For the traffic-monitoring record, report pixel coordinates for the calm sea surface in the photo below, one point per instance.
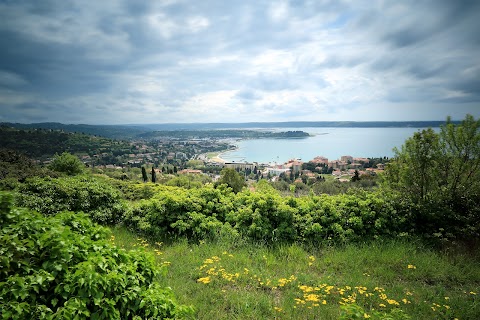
(328, 142)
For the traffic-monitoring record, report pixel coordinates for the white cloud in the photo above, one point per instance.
(278, 11)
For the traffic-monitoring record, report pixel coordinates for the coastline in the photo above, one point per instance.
(218, 158)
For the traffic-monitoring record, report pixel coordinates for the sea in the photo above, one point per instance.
(331, 143)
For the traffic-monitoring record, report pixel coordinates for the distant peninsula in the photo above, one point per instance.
(223, 134)
(133, 131)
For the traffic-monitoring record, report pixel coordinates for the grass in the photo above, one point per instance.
(240, 280)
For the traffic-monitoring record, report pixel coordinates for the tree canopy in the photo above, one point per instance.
(232, 178)
(439, 173)
(67, 163)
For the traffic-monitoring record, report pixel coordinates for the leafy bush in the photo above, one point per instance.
(263, 216)
(67, 163)
(80, 193)
(266, 216)
(196, 213)
(63, 267)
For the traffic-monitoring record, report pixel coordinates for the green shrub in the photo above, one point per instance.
(64, 267)
(173, 211)
(67, 163)
(263, 215)
(80, 193)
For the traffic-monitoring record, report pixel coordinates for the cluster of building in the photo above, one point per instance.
(346, 165)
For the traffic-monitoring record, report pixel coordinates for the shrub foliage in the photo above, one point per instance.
(64, 267)
(264, 215)
(99, 200)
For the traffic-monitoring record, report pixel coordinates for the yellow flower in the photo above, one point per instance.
(411, 266)
(311, 297)
(447, 298)
(473, 293)
(324, 302)
(366, 316)
(277, 309)
(204, 280)
(392, 301)
(382, 305)
(361, 290)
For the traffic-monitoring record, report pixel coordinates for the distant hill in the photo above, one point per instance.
(295, 124)
(107, 131)
(137, 130)
(44, 143)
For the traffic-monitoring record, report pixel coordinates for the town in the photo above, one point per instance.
(179, 154)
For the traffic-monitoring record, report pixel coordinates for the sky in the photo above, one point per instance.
(188, 61)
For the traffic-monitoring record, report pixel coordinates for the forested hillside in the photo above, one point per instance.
(43, 143)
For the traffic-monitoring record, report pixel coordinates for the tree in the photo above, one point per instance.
(460, 158)
(17, 166)
(154, 175)
(232, 178)
(414, 170)
(144, 174)
(67, 163)
(356, 176)
(440, 174)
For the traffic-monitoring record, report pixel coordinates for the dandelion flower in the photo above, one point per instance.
(411, 266)
(204, 280)
(392, 301)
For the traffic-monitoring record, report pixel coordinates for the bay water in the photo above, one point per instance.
(331, 143)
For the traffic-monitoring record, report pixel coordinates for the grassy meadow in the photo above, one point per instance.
(226, 279)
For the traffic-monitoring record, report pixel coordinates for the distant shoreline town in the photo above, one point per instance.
(172, 155)
(340, 168)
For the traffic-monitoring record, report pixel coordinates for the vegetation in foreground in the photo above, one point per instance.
(65, 267)
(237, 252)
(397, 279)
